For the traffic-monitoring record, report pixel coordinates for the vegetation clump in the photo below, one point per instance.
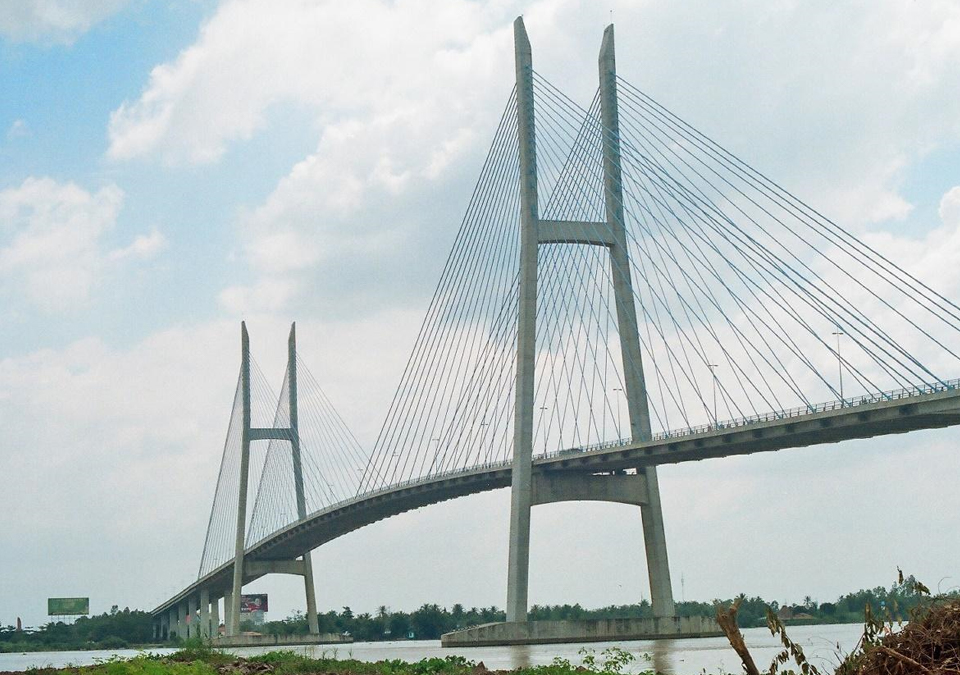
(197, 659)
(927, 643)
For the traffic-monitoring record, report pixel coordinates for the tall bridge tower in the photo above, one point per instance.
(290, 434)
(610, 234)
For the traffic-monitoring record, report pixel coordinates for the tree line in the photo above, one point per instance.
(111, 630)
(121, 628)
(430, 621)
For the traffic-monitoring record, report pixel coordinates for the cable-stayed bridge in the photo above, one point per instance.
(622, 293)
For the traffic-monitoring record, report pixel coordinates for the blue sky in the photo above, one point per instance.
(169, 168)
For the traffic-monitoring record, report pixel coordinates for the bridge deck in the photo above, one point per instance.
(893, 413)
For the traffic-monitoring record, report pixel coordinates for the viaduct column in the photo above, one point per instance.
(308, 582)
(214, 616)
(205, 613)
(521, 488)
(233, 627)
(227, 610)
(193, 626)
(173, 626)
(654, 539)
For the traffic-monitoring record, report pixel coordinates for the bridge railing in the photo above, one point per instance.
(908, 392)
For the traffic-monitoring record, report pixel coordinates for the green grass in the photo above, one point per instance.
(199, 659)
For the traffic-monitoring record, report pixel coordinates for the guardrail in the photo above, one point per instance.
(908, 392)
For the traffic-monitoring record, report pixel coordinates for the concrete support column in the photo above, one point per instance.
(214, 616)
(165, 626)
(518, 569)
(654, 539)
(233, 628)
(313, 624)
(173, 628)
(227, 611)
(183, 611)
(193, 624)
(204, 631)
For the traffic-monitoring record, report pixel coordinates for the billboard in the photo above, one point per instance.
(253, 603)
(68, 606)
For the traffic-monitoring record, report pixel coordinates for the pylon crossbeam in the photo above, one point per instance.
(574, 232)
(271, 434)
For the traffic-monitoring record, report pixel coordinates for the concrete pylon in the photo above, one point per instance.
(518, 569)
(525, 489)
(233, 627)
(291, 434)
(308, 583)
(654, 539)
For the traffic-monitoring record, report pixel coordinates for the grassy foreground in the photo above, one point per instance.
(196, 660)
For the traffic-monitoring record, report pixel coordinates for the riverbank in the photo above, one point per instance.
(206, 661)
(671, 657)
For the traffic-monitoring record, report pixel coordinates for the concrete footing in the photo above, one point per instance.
(602, 630)
(279, 640)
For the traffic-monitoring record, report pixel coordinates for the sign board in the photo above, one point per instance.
(68, 606)
(253, 603)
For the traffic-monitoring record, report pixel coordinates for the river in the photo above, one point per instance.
(821, 644)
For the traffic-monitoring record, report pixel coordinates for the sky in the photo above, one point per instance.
(170, 168)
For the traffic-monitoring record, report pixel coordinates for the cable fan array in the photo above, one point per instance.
(748, 300)
(331, 461)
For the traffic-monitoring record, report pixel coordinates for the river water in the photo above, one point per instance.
(823, 646)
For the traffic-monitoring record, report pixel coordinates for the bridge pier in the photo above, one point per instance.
(192, 623)
(214, 616)
(227, 611)
(204, 613)
(183, 613)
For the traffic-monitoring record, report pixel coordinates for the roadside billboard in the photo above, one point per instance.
(253, 603)
(68, 606)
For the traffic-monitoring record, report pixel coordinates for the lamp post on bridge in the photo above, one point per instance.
(713, 372)
(838, 333)
(546, 430)
(620, 389)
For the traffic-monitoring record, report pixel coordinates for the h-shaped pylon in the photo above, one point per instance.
(304, 566)
(525, 490)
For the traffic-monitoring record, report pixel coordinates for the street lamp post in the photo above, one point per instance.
(620, 389)
(546, 430)
(713, 371)
(838, 333)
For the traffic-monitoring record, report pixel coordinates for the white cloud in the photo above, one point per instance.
(59, 21)
(406, 99)
(950, 207)
(268, 296)
(397, 62)
(51, 241)
(143, 247)
(18, 129)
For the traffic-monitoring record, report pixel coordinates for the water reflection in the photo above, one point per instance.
(662, 656)
(521, 655)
